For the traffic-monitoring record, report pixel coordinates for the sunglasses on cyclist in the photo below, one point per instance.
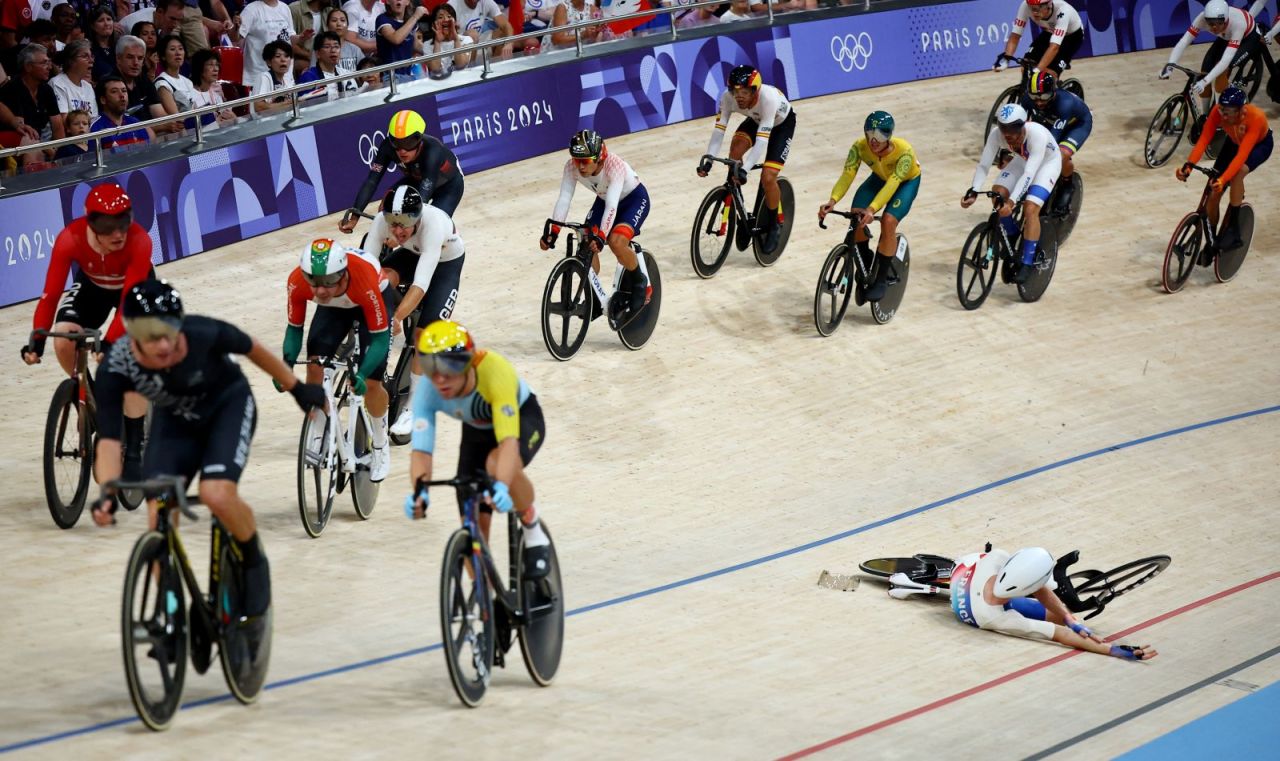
(400, 220)
(109, 224)
(406, 143)
(878, 136)
(323, 281)
(584, 162)
(146, 329)
(455, 363)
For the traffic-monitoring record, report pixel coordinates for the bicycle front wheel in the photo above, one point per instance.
(317, 476)
(153, 628)
(1181, 255)
(1166, 131)
(714, 229)
(68, 461)
(568, 307)
(835, 287)
(1096, 590)
(976, 272)
(466, 621)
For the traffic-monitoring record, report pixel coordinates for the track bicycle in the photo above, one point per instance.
(989, 249)
(846, 272)
(158, 628)
(573, 296)
(71, 433)
(1195, 242)
(478, 610)
(1013, 93)
(338, 455)
(1175, 115)
(1085, 591)
(722, 220)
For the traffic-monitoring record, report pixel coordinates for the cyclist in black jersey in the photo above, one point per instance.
(203, 412)
(427, 165)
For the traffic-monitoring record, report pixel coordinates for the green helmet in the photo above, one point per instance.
(879, 121)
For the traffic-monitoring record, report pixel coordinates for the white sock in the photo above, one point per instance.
(380, 431)
(534, 536)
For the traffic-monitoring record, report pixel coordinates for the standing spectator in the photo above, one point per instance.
(28, 108)
(278, 58)
(66, 24)
(336, 22)
(17, 15)
(308, 14)
(113, 101)
(397, 38)
(362, 30)
(444, 38)
(77, 124)
(73, 87)
(475, 18)
(100, 30)
(739, 10)
(263, 22)
(573, 12)
(176, 92)
(206, 69)
(197, 27)
(167, 15)
(328, 48)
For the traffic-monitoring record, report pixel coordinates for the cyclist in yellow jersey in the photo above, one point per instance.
(502, 430)
(890, 191)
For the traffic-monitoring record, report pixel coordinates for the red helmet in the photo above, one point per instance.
(108, 198)
(1034, 3)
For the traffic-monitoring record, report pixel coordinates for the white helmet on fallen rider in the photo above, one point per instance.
(1025, 573)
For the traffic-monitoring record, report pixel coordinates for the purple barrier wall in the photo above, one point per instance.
(224, 196)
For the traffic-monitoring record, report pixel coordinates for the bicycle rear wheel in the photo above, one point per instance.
(835, 288)
(714, 229)
(401, 389)
(1227, 263)
(1181, 255)
(68, 461)
(1046, 262)
(883, 310)
(976, 272)
(636, 334)
(466, 621)
(245, 645)
(1166, 131)
(364, 491)
(1107, 586)
(154, 631)
(317, 474)
(567, 308)
(542, 636)
(787, 202)
(1247, 74)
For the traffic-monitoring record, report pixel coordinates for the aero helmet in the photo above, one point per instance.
(323, 263)
(1026, 572)
(446, 348)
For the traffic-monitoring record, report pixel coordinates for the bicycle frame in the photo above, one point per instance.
(1202, 209)
(849, 241)
(344, 447)
(483, 567)
(734, 190)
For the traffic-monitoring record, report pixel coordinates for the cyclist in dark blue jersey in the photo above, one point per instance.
(1067, 118)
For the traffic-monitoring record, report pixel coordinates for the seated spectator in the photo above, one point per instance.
(539, 14)
(362, 30)
(336, 22)
(73, 87)
(328, 47)
(43, 32)
(28, 108)
(278, 58)
(739, 10)
(445, 37)
(146, 31)
(397, 34)
(66, 24)
(573, 12)
(143, 99)
(77, 124)
(694, 16)
(175, 91)
(263, 22)
(113, 101)
(100, 30)
(483, 20)
(206, 70)
(369, 81)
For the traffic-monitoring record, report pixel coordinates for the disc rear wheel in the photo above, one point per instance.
(542, 636)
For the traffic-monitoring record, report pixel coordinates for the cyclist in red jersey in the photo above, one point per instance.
(111, 253)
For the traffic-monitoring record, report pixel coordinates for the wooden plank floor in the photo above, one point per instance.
(742, 454)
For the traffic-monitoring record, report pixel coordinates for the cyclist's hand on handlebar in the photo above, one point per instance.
(103, 511)
(32, 352)
(865, 217)
(548, 241)
(416, 504)
(704, 167)
(595, 243)
(968, 199)
(500, 495)
(1199, 87)
(1218, 184)
(1183, 172)
(308, 395)
(825, 209)
(348, 223)
(1164, 71)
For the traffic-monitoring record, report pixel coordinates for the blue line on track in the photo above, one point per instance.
(692, 579)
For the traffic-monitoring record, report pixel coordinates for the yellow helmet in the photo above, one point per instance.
(447, 347)
(406, 130)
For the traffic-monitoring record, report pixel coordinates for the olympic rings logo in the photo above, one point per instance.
(367, 148)
(852, 51)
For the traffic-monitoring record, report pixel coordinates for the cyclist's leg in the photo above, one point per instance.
(1066, 52)
(329, 326)
(1009, 178)
(1039, 192)
(473, 452)
(442, 294)
(1225, 156)
(84, 304)
(1038, 46)
(173, 452)
(777, 151)
(743, 138)
(375, 397)
(1211, 58)
(632, 212)
(533, 433)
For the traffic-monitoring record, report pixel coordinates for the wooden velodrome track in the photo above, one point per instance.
(697, 488)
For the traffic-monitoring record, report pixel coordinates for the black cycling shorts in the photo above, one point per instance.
(779, 147)
(477, 443)
(442, 294)
(86, 303)
(1248, 47)
(444, 197)
(218, 447)
(329, 328)
(1066, 51)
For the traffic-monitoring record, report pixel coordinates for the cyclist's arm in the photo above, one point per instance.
(567, 183)
(296, 314)
(1255, 130)
(423, 439)
(269, 363)
(851, 163)
(137, 270)
(1187, 38)
(1206, 134)
(1015, 32)
(381, 160)
(1228, 53)
(55, 282)
(764, 129)
(722, 124)
(989, 152)
(901, 169)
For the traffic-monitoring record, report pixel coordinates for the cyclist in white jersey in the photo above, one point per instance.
(620, 208)
(767, 131)
(1013, 594)
(1029, 176)
(1237, 38)
(1057, 45)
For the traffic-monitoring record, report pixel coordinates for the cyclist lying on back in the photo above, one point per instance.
(1013, 594)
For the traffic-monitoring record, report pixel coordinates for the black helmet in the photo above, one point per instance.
(402, 205)
(150, 308)
(587, 144)
(744, 76)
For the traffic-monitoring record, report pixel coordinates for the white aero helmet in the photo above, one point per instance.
(1026, 572)
(1215, 10)
(1011, 116)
